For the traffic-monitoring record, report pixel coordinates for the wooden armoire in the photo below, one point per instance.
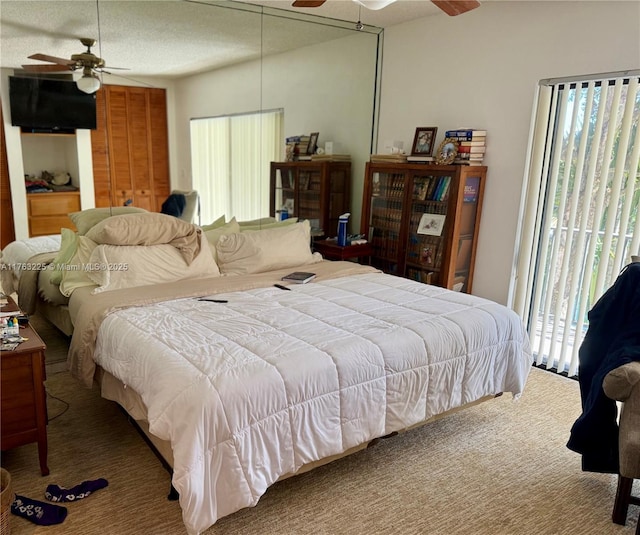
(130, 147)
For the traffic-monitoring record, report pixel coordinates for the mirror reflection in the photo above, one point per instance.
(172, 64)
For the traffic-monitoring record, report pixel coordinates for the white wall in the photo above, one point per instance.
(326, 88)
(480, 70)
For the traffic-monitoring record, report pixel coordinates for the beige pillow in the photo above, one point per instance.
(213, 235)
(129, 266)
(217, 223)
(76, 273)
(265, 250)
(68, 244)
(149, 229)
(86, 219)
(260, 221)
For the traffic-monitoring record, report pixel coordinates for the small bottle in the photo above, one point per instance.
(342, 229)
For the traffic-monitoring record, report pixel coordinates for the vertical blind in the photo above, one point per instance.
(580, 224)
(230, 159)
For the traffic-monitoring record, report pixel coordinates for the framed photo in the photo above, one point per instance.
(431, 224)
(423, 140)
(447, 151)
(420, 190)
(313, 143)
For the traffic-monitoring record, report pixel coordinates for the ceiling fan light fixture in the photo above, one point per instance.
(374, 4)
(89, 83)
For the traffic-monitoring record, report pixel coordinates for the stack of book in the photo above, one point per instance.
(297, 147)
(388, 158)
(472, 145)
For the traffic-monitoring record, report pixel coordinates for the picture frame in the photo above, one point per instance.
(447, 151)
(420, 188)
(424, 140)
(431, 224)
(313, 143)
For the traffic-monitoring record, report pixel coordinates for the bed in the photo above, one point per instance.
(255, 383)
(238, 394)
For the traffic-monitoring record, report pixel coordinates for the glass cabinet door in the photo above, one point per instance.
(428, 221)
(387, 196)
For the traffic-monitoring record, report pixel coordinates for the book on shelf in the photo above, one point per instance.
(476, 143)
(470, 156)
(469, 134)
(420, 159)
(467, 162)
(331, 157)
(388, 158)
(471, 188)
(473, 150)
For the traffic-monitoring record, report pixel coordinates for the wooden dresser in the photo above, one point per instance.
(23, 409)
(49, 212)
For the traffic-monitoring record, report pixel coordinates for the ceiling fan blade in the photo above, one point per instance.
(456, 7)
(107, 68)
(46, 68)
(308, 3)
(53, 59)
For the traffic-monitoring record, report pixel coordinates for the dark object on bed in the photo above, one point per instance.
(613, 339)
(174, 205)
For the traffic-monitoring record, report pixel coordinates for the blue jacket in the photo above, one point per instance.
(612, 339)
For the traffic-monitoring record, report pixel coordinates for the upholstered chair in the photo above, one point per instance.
(192, 205)
(623, 384)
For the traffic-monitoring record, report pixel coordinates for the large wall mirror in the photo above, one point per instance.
(213, 59)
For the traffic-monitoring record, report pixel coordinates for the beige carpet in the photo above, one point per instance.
(500, 468)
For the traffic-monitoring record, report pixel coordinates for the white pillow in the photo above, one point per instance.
(213, 235)
(129, 266)
(75, 274)
(256, 251)
(215, 224)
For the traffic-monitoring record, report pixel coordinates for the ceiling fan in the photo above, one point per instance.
(87, 61)
(450, 7)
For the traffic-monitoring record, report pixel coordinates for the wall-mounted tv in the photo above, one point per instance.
(47, 105)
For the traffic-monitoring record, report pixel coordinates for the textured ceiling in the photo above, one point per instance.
(171, 38)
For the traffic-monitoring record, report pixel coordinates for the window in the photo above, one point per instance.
(580, 224)
(230, 159)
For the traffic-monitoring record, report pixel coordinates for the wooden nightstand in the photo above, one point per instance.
(330, 250)
(23, 403)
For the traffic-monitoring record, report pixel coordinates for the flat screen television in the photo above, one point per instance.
(47, 105)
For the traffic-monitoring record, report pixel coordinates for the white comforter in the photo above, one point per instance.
(252, 389)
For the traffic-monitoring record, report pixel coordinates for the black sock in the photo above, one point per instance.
(55, 493)
(41, 513)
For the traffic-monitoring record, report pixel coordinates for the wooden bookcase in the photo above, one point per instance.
(423, 220)
(317, 191)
